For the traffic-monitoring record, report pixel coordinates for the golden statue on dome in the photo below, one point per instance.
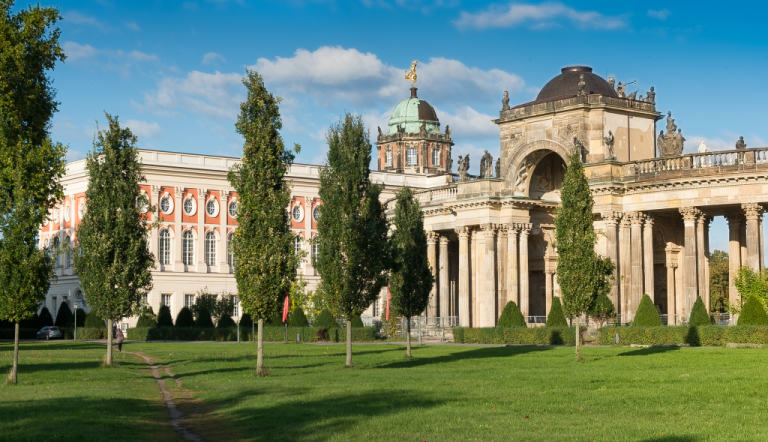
(411, 75)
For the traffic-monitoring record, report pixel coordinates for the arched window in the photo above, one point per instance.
(165, 205)
(189, 206)
(66, 257)
(389, 158)
(435, 157)
(297, 244)
(315, 254)
(411, 156)
(165, 246)
(188, 248)
(210, 248)
(212, 207)
(233, 209)
(231, 254)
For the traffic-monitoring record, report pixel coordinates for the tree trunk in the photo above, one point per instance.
(15, 368)
(349, 342)
(578, 339)
(109, 342)
(260, 349)
(408, 339)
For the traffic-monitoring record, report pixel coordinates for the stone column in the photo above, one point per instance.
(549, 274)
(525, 229)
(154, 245)
(202, 267)
(477, 257)
(753, 212)
(671, 310)
(611, 220)
(432, 239)
(743, 242)
(761, 253)
(637, 261)
(512, 264)
(625, 264)
(224, 239)
(464, 312)
(701, 264)
(444, 281)
(501, 269)
(487, 308)
(690, 263)
(648, 257)
(178, 210)
(734, 255)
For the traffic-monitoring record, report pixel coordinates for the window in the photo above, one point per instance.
(165, 246)
(82, 210)
(142, 203)
(145, 299)
(376, 308)
(166, 205)
(67, 213)
(236, 303)
(188, 246)
(316, 213)
(66, 257)
(210, 248)
(232, 209)
(165, 300)
(297, 212)
(435, 157)
(297, 244)
(189, 206)
(411, 156)
(231, 254)
(55, 215)
(189, 300)
(211, 207)
(389, 158)
(315, 253)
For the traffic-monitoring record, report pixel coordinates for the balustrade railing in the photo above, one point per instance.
(704, 160)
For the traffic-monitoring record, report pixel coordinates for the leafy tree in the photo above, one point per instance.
(114, 261)
(185, 318)
(31, 165)
(357, 322)
(147, 318)
(647, 315)
(45, 319)
(582, 274)
(298, 318)
(300, 297)
(411, 279)
(92, 320)
(718, 281)
(699, 315)
(602, 310)
(354, 250)
(203, 319)
(225, 321)
(751, 283)
(164, 318)
(753, 313)
(326, 320)
(556, 317)
(511, 316)
(265, 262)
(63, 316)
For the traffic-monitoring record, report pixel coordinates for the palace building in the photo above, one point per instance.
(490, 237)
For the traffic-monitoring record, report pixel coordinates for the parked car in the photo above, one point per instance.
(51, 332)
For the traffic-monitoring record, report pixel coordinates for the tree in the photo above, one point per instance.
(203, 320)
(263, 245)
(64, 315)
(582, 274)
(753, 313)
(31, 165)
(511, 316)
(147, 318)
(94, 321)
(185, 318)
(751, 283)
(164, 318)
(298, 318)
(646, 314)
(325, 320)
(556, 318)
(718, 281)
(114, 260)
(602, 310)
(411, 279)
(699, 315)
(225, 321)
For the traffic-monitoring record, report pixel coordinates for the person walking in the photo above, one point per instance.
(119, 340)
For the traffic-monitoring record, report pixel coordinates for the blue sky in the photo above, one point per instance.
(171, 70)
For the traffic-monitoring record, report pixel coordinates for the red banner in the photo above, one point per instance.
(286, 306)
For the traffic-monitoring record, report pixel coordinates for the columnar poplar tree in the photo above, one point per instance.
(352, 230)
(411, 279)
(112, 257)
(581, 273)
(31, 165)
(265, 262)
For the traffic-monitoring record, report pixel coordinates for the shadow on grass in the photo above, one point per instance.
(55, 345)
(671, 439)
(480, 353)
(648, 351)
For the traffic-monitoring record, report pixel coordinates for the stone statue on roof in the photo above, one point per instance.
(505, 102)
(671, 143)
(612, 82)
(741, 145)
(609, 141)
(463, 167)
(651, 96)
(582, 85)
(620, 90)
(498, 167)
(448, 131)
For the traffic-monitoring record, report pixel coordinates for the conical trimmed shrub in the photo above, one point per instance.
(646, 315)
(33, 321)
(164, 318)
(185, 319)
(556, 317)
(226, 321)
(80, 319)
(147, 318)
(298, 318)
(325, 320)
(753, 313)
(246, 320)
(699, 315)
(357, 322)
(63, 316)
(92, 320)
(511, 316)
(44, 319)
(203, 320)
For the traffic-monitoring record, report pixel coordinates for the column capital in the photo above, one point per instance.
(501, 231)
(550, 271)
(511, 228)
(489, 229)
(690, 213)
(464, 232)
(524, 227)
(443, 240)
(432, 237)
(224, 195)
(636, 218)
(308, 202)
(734, 218)
(648, 221)
(179, 191)
(611, 218)
(752, 210)
(672, 265)
(201, 193)
(155, 189)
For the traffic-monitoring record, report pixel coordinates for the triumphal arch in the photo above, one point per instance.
(491, 236)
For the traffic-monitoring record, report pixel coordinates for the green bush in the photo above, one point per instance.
(246, 320)
(226, 321)
(203, 319)
(271, 334)
(30, 322)
(699, 315)
(516, 335)
(44, 319)
(753, 312)
(80, 319)
(556, 317)
(511, 316)
(708, 335)
(602, 309)
(298, 318)
(24, 333)
(646, 315)
(93, 321)
(146, 321)
(357, 322)
(184, 318)
(274, 320)
(325, 320)
(87, 333)
(164, 318)
(63, 316)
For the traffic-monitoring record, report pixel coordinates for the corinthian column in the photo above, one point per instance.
(202, 266)
(444, 281)
(154, 246)
(512, 264)
(487, 313)
(611, 220)
(625, 263)
(701, 265)
(501, 269)
(734, 256)
(690, 272)
(178, 209)
(432, 238)
(637, 261)
(671, 307)
(464, 311)
(548, 276)
(525, 229)
(753, 212)
(648, 256)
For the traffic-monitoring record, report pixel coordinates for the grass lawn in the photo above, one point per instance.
(445, 393)
(63, 394)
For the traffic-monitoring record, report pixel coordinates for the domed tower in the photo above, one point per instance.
(413, 141)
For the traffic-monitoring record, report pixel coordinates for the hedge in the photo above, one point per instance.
(24, 333)
(31, 333)
(708, 335)
(520, 336)
(271, 334)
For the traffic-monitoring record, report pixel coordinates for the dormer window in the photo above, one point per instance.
(389, 158)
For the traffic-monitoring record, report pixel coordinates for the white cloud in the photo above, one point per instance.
(144, 129)
(211, 95)
(133, 26)
(74, 155)
(660, 15)
(726, 142)
(108, 59)
(469, 123)
(80, 19)
(537, 16)
(76, 51)
(212, 58)
(140, 56)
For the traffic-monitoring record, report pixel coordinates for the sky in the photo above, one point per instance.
(171, 70)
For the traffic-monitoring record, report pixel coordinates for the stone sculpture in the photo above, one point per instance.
(581, 149)
(703, 148)
(609, 141)
(463, 168)
(632, 96)
(423, 129)
(612, 82)
(448, 131)
(380, 133)
(620, 90)
(741, 145)
(505, 102)
(671, 143)
(411, 74)
(651, 96)
(400, 129)
(486, 165)
(582, 85)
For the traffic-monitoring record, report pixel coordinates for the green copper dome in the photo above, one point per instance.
(411, 113)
